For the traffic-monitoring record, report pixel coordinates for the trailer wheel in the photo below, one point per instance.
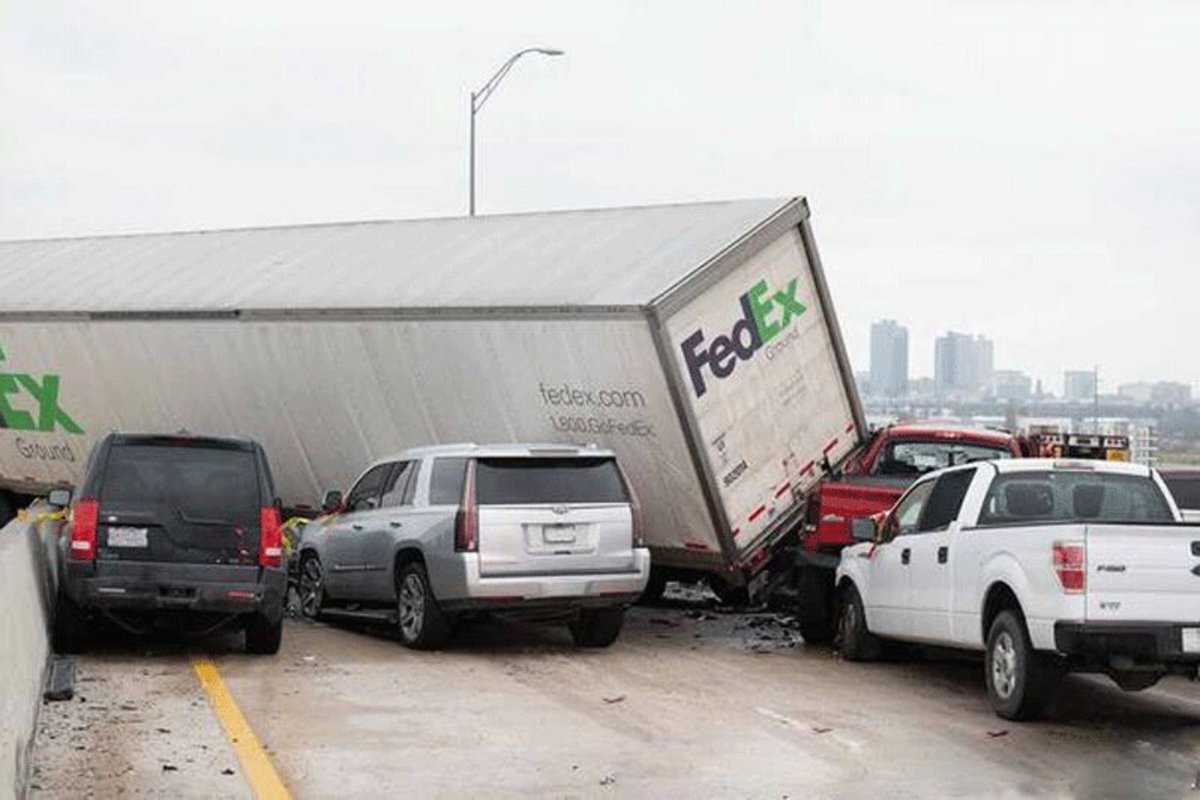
(815, 605)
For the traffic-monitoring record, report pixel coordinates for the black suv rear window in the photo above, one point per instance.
(533, 481)
(208, 484)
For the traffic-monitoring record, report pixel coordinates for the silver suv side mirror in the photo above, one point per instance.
(60, 498)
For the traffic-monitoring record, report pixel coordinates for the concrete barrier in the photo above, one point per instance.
(27, 592)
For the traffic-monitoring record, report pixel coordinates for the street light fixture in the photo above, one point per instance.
(480, 97)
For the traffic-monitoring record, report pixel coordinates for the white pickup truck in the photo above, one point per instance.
(1046, 566)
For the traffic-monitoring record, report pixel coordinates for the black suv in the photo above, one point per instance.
(176, 532)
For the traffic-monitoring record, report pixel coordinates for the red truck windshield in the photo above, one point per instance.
(919, 457)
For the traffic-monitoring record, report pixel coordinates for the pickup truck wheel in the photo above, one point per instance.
(312, 587)
(1020, 681)
(6, 510)
(597, 627)
(420, 621)
(264, 635)
(815, 605)
(70, 635)
(852, 638)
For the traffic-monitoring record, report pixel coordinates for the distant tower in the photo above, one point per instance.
(889, 359)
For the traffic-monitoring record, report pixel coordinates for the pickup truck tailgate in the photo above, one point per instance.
(1143, 573)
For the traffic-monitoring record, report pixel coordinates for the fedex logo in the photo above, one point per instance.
(765, 314)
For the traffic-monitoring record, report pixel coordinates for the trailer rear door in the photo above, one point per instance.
(759, 360)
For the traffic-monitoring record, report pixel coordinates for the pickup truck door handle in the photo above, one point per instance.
(943, 554)
(356, 526)
(905, 555)
(396, 524)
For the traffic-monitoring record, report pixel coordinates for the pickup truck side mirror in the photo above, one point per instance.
(863, 529)
(332, 501)
(60, 498)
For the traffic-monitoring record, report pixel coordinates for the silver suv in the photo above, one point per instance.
(546, 531)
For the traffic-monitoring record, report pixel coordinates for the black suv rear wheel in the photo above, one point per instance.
(264, 634)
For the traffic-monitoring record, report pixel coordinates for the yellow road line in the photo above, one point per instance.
(259, 771)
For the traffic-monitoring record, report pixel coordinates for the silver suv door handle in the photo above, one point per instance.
(356, 526)
(396, 524)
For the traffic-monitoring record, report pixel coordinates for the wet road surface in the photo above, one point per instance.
(688, 703)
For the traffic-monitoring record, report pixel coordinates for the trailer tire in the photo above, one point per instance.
(854, 640)
(815, 605)
(597, 627)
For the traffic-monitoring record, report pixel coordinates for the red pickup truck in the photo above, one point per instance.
(868, 483)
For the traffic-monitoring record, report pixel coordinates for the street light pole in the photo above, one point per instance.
(480, 97)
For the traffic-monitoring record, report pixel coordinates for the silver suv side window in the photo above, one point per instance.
(365, 494)
(446, 481)
(401, 485)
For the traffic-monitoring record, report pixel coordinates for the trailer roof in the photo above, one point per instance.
(618, 257)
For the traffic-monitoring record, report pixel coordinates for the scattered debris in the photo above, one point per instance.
(998, 734)
(817, 729)
(610, 700)
(670, 623)
(228, 771)
(608, 780)
(169, 768)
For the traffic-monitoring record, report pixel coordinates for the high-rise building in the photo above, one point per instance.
(962, 364)
(889, 359)
(1079, 385)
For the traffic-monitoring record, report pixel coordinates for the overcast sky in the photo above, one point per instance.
(1029, 171)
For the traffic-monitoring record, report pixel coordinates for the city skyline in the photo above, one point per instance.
(966, 362)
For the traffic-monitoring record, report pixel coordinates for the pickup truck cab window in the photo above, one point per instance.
(365, 494)
(945, 500)
(903, 521)
(1073, 496)
(918, 457)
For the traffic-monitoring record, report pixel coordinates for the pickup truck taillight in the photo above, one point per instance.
(270, 538)
(84, 519)
(466, 522)
(1070, 565)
